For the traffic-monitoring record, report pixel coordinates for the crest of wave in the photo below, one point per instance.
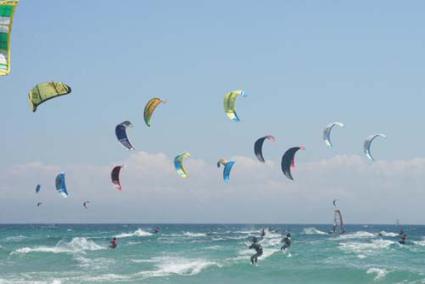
(76, 245)
(137, 233)
(366, 248)
(194, 235)
(357, 235)
(313, 231)
(379, 273)
(180, 266)
(389, 234)
(420, 243)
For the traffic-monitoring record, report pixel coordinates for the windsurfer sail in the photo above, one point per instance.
(338, 227)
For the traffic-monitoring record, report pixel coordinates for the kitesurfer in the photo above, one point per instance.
(286, 242)
(403, 239)
(114, 243)
(258, 250)
(263, 233)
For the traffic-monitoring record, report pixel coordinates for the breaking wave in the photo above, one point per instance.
(366, 248)
(137, 233)
(379, 272)
(15, 238)
(194, 235)
(357, 235)
(180, 266)
(388, 234)
(313, 231)
(76, 245)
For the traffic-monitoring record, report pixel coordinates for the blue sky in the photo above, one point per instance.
(303, 64)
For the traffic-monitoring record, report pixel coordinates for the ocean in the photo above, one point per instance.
(208, 254)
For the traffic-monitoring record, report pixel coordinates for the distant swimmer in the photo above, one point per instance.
(258, 250)
(114, 243)
(403, 239)
(286, 242)
(263, 233)
(39, 204)
(156, 230)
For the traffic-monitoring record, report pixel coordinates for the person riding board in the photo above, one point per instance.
(114, 243)
(263, 233)
(258, 250)
(403, 239)
(286, 242)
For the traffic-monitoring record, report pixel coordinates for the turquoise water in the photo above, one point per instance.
(208, 254)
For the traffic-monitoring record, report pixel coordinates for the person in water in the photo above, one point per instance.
(258, 250)
(403, 239)
(156, 230)
(114, 243)
(286, 242)
(263, 233)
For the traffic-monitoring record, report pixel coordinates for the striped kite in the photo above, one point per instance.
(7, 11)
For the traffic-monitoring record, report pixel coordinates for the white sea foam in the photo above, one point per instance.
(236, 238)
(142, 260)
(99, 263)
(106, 278)
(213, 248)
(313, 231)
(272, 242)
(137, 233)
(367, 248)
(164, 266)
(44, 249)
(379, 272)
(267, 253)
(134, 243)
(388, 234)
(194, 235)
(240, 258)
(74, 246)
(248, 232)
(218, 239)
(420, 243)
(15, 238)
(271, 235)
(180, 266)
(357, 235)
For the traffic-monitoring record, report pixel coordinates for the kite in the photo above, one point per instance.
(7, 11)
(230, 103)
(150, 108)
(258, 146)
(178, 164)
(288, 161)
(46, 91)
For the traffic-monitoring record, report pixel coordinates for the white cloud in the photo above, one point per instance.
(152, 191)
